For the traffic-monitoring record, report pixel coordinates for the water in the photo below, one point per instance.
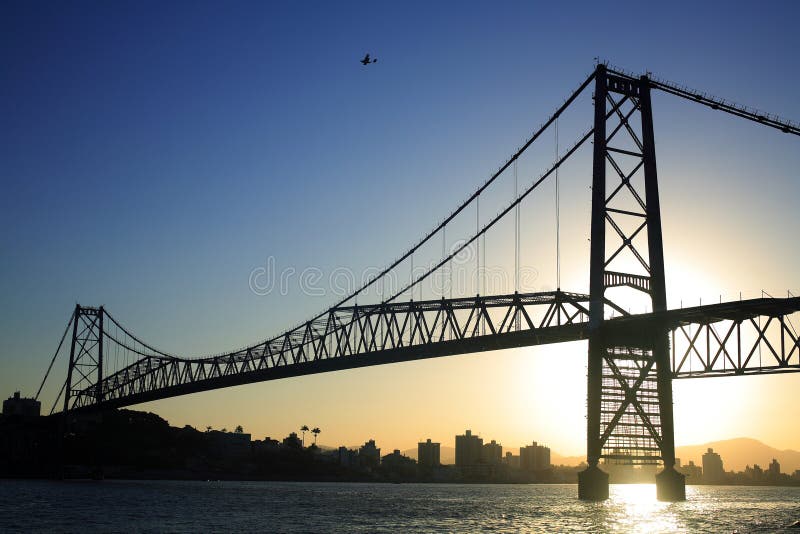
(171, 506)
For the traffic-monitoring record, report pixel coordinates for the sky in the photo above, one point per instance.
(155, 155)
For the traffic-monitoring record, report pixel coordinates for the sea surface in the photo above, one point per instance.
(172, 506)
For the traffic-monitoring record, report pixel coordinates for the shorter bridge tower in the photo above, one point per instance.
(85, 372)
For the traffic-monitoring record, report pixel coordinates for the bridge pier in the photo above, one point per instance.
(670, 485)
(593, 484)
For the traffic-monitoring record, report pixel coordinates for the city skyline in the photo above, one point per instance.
(696, 457)
(182, 167)
(473, 457)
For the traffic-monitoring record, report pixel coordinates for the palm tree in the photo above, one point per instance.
(304, 429)
(239, 429)
(316, 432)
(208, 428)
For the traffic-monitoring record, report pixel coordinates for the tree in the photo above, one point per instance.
(239, 429)
(316, 432)
(224, 430)
(208, 428)
(304, 429)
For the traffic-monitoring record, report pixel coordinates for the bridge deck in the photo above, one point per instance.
(359, 336)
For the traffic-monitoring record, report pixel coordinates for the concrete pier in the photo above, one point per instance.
(593, 484)
(670, 485)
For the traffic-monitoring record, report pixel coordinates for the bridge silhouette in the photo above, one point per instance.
(632, 358)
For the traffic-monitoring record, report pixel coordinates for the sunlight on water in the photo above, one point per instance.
(634, 508)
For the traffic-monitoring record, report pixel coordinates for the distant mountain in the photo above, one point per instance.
(737, 453)
(557, 459)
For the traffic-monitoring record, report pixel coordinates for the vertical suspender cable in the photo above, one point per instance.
(116, 348)
(478, 276)
(484, 283)
(411, 276)
(450, 270)
(516, 232)
(444, 254)
(558, 220)
(478, 245)
(516, 244)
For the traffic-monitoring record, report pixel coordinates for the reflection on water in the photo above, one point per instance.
(157, 506)
(634, 508)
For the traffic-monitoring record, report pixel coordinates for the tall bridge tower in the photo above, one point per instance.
(629, 390)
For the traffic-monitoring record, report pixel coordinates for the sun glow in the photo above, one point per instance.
(688, 286)
(549, 391)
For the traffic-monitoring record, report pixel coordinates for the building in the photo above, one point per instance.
(469, 449)
(398, 464)
(619, 471)
(647, 471)
(713, 473)
(428, 454)
(293, 441)
(347, 457)
(21, 406)
(268, 445)
(492, 453)
(511, 460)
(754, 473)
(774, 469)
(693, 472)
(369, 454)
(534, 457)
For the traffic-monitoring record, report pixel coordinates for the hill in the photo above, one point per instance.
(739, 452)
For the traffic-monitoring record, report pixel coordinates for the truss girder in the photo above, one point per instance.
(736, 346)
(755, 336)
(396, 331)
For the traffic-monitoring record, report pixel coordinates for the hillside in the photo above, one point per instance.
(738, 452)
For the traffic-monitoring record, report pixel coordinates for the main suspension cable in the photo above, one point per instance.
(713, 102)
(55, 402)
(420, 243)
(49, 367)
(501, 214)
(469, 200)
(137, 340)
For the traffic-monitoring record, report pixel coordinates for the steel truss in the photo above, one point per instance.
(356, 336)
(629, 411)
(738, 344)
(717, 343)
(85, 371)
(629, 380)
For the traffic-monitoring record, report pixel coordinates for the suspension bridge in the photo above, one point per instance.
(632, 358)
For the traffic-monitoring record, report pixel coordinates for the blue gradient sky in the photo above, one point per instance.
(152, 154)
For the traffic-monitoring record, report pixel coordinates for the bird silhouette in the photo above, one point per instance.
(367, 60)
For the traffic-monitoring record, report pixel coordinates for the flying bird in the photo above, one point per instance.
(367, 60)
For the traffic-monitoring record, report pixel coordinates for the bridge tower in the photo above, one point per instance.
(85, 371)
(629, 382)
